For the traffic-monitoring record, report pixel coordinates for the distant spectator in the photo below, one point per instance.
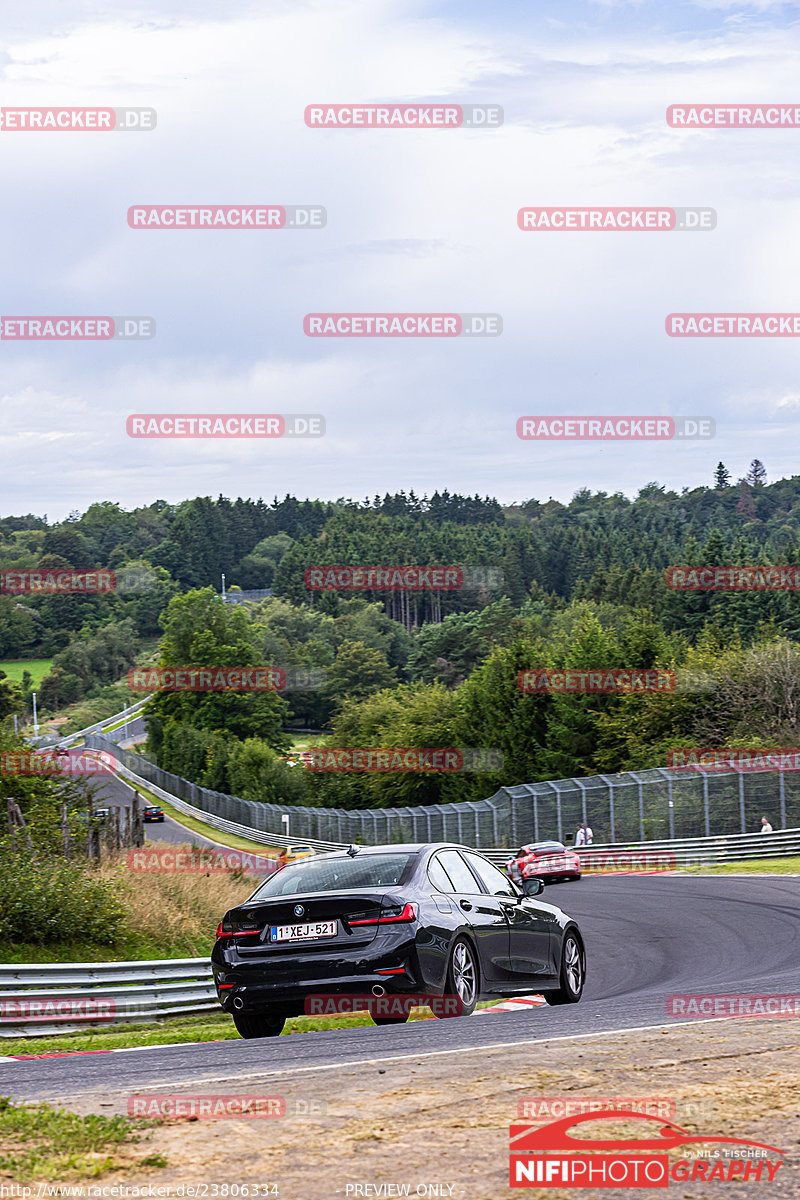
(765, 826)
(584, 836)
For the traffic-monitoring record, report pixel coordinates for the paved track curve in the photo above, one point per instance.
(647, 938)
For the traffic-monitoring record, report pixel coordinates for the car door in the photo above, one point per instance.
(532, 927)
(485, 915)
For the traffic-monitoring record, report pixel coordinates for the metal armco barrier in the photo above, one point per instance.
(65, 997)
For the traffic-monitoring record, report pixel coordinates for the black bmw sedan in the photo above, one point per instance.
(391, 922)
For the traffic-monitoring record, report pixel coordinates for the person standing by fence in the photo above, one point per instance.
(584, 836)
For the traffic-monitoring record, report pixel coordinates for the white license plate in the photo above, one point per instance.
(301, 933)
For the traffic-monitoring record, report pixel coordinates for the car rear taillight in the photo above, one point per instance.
(393, 915)
(398, 913)
(234, 929)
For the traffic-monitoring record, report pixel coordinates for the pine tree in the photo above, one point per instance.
(757, 473)
(722, 476)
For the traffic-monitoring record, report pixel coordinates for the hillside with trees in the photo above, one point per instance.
(581, 584)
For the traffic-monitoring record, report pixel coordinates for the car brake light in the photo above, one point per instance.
(231, 929)
(397, 914)
(390, 916)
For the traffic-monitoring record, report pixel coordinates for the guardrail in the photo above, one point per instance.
(52, 739)
(686, 852)
(100, 726)
(65, 997)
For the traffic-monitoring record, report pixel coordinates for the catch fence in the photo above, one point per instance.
(636, 806)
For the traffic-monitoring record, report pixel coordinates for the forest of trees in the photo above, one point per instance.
(581, 584)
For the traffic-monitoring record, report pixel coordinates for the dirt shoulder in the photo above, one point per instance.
(442, 1120)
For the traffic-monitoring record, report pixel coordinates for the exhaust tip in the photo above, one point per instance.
(378, 990)
(238, 1003)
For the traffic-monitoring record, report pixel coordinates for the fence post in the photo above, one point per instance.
(706, 814)
(783, 798)
(671, 809)
(741, 801)
(138, 822)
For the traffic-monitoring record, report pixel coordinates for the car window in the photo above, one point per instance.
(335, 874)
(459, 872)
(495, 881)
(439, 877)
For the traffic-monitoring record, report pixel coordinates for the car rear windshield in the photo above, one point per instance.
(335, 875)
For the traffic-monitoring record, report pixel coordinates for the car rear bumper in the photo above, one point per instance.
(292, 983)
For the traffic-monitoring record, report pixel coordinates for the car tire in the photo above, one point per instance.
(573, 972)
(462, 979)
(258, 1024)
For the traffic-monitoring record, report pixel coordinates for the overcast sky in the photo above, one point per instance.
(417, 221)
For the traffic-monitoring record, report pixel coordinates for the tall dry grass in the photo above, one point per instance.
(180, 911)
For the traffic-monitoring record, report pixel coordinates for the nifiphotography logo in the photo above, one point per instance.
(550, 1156)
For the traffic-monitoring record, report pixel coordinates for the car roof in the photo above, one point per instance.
(405, 848)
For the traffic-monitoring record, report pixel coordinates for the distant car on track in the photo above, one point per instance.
(293, 853)
(431, 920)
(548, 861)
(153, 813)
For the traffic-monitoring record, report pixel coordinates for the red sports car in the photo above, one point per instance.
(548, 861)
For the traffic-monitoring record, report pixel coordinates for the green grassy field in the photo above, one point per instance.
(38, 667)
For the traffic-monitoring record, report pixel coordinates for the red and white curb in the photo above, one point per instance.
(520, 1002)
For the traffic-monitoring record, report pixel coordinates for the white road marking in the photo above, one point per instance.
(236, 1076)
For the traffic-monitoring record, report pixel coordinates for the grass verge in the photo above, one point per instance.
(212, 1027)
(757, 866)
(45, 1143)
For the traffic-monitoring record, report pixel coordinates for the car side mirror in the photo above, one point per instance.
(532, 887)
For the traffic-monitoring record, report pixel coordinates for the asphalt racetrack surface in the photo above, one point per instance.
(647, 938)
(114, 791)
